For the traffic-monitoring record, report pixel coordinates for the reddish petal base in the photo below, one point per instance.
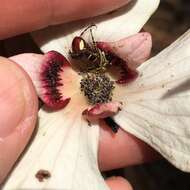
(100, 111)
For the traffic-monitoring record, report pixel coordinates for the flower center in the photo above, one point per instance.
(97, 88)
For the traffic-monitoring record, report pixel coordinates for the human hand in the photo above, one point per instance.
(19, 101)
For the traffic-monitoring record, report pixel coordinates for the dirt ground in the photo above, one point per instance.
(170, 21)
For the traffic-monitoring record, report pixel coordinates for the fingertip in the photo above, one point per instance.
(122, 149)
(19, 113)
(118, 183)
(34, 15)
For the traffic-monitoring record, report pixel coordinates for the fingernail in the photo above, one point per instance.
(12, 100)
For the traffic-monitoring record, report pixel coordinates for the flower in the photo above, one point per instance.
(155, 110)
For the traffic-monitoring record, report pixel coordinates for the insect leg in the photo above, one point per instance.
(93, 40)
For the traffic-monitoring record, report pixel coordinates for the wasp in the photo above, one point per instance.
(89, 53)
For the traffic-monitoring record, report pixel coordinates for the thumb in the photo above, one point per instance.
(118, 183)
(18, 110)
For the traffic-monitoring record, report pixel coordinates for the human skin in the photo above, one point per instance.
(33, 15)
(18, 100)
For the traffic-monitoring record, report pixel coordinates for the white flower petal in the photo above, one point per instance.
(64, 144)
(120, 24)
(157, 106)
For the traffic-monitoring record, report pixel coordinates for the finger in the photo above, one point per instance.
(122, 149)
(118, 183)
(18, 109)
(19, 16)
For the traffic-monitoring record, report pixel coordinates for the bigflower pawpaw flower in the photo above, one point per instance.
(155, 105)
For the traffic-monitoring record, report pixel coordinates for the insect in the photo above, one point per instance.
(89, 53)
(95, 84)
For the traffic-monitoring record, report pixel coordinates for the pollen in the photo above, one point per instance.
(97, 88)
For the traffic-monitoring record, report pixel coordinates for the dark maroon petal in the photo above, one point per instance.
(46, 73)
(133, 50)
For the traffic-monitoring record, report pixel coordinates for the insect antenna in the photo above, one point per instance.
(87, 28)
